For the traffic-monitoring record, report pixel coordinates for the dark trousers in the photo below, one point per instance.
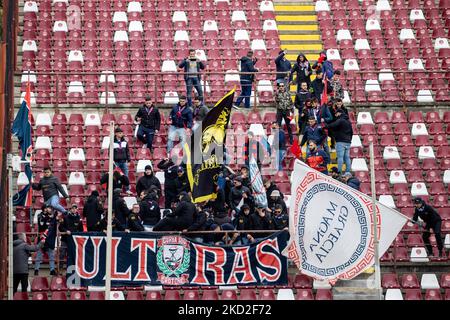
(146, 135)
(282, 114)
(21, 278)
(193, 83)
(246, 92)
(437, 234)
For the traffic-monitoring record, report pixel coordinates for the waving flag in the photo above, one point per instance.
(22, 129)
(324, 99)
(331, 226)
(259, 192)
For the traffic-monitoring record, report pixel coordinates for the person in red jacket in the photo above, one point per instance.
(317, 158)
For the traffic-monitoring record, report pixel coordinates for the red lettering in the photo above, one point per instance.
(116, 275)
(215, 266)
(80, 256)
(142, 245)
(241, 265)
(268, 260)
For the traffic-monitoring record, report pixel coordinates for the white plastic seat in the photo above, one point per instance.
(351, 65)
(346, 97)
(200, 54)
(419, 129)
(210, 25)
(179, 16)
(135, 26)
(361, 44)
(169, 66)
(419, 189)
(32, 97)
(107, 76)
(120, 35)
(76, 179)
(372, 85)
(116, 295)
(333, 54)
(393, 294)
(429, 281)
(130, 201)
(227, 1)
(238, 15)
(111, 98)
(447, 241)
(153, 288)
(66, 190)
(141, 165)
(62, 1)
(252, 99)
(266, 6)
(258, 44)
(424, 96)
(75, 87)
(441, 43)
(426, 152)
(264, 86)
(285, 294)
(160, 176)
(171, 97)
(181, 35)
(364, 118)
(30, 6)
(257, 129)
(321, 284)
(270, 25)
(415, 64)
(391, 153)
(343, 34)
(397, 176)
(356, 141)
(60, 26)
(28, 76)
(321, 5)
(205, 86)
(418, 254)
(43, 119)
(43, 143)
(372, 24)
(386, 75)
(96, 288)
(120, 16)
(92, 119)
(383, 5)
(29, 45)
(359, 164)
(22, 179)
(76, 55)
(105, 143)
(406, 34)
(241, 35)
(232, 76)
(387, 200)
(446, 178)
(134, 6)
(416, 14)
(76, 154)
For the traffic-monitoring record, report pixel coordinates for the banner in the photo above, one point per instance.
(257, 184)
(205, 152)
(331, 226)
(149, 259)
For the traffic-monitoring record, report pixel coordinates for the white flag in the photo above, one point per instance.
(331, 226)
(259, 191)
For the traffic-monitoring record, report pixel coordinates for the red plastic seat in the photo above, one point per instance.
(410, 281)
(415, 240)
(135, 295)
(172, 295)
(304, 294)
(324, 294)
(191, 295)
(39, 296)
(39, 284)
(413, 294)
(58, 283)
(398, 117)
(400, 189)
(59, 295)
(228, 295)
(97, 295)
(266, 294)
(247, 294)
(20, 296)
(77, 295)
(389, 280)
(210, 294)
(401, 254)
(302, 281)
(433, 294)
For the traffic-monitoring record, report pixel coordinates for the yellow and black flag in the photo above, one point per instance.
(204, 153)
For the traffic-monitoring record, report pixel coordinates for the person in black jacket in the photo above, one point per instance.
(247, 67)
(149, 120)
(150, 212)
(271, 186)
(182, 181)
(318, 86)
(170, 181)
(120, 181)
(120, 208)
(180, 121)
(200, 224)
(274, 200)
(47, 226)
(243, 221)
(67, 225)
(50, 187)
(303, 69)
(192, 75)
(280, 219)
(116, 225)
(433, 221)
(121, 153)
(92, 211)
(147, 180)
(134, 222)
(343, 133)
(351, 181)
(218, 207)
(283, 67)
(239, 192)
(300, 99)
(21, 253)
(260, 220)
(181, 218)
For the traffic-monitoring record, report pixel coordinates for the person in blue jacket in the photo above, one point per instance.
(283, 66)
(249, 70)
(180, 121)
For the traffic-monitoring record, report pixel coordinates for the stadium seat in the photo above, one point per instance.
(389, 280)
(266, 294)
(304, 294)
(210, 294)
(393, 294)
(413, 294)
(39, 284)
(285, 294)
(433, 294)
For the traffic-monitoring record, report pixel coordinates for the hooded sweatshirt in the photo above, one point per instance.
(120, 208)
(149, 210)
(283, 66)
(303, 70)
(342, 129)
(21, 253)
(146, 181)
(247, 65)
(93, 211)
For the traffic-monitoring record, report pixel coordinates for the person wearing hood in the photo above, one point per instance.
(47, 225)
(120, 181)
(239, 193)
(170, 181)
(21, 252)
(116, 225)
(68, 224)
(271, 186)
(283, 67)
(351, 181)
(201, 217)
(343, 133)
(217, 207)
(182, 181)
(245, 174)
(260, 220)
(274, 200)
(303, 69)
(318, 85)
(150, 212)
(120, 208)
(149, 120)
(433, 221)
(247, 67)
(181, 218)
(51, 187)
(243, 221)
(147, 180)
(92, 211)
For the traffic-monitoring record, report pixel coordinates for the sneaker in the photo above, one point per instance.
(36, 272)
(53, 272)
(236, 107)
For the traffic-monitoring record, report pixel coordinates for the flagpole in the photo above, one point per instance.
(10, 229)
(375, 225)
(109, 219)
